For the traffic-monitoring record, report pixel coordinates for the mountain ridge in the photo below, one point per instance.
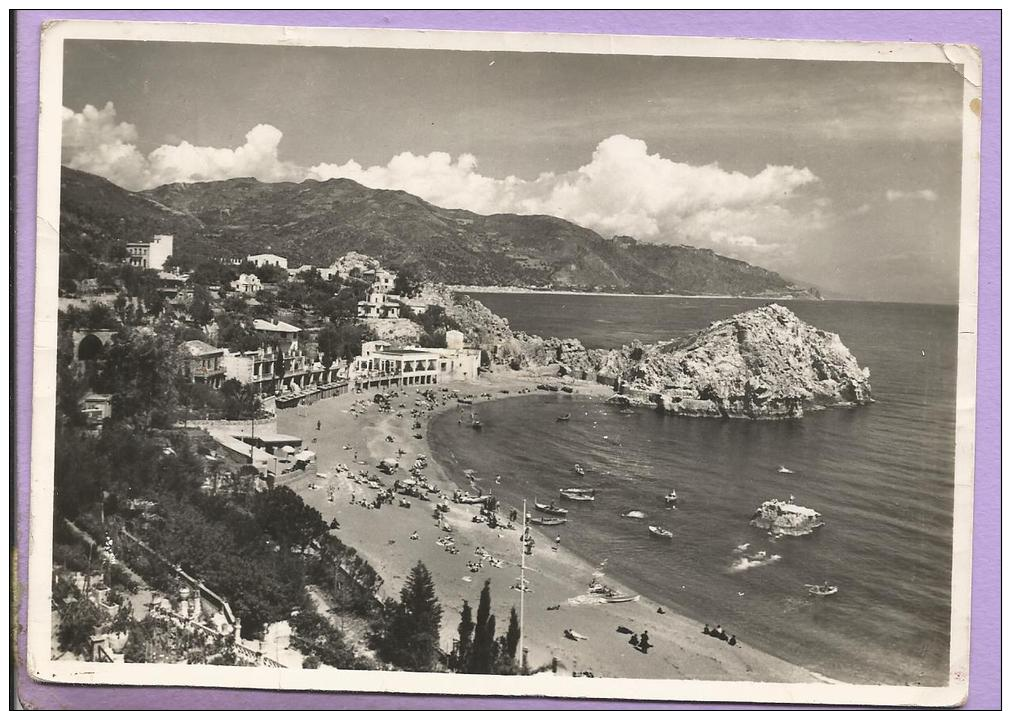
(314, 222)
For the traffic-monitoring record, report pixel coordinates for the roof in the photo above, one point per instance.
(407, 351)
(280, 327)
(199, 348)
(275, 256)
(96, 396)
(278, 439)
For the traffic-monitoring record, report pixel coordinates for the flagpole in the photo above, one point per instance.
(523, 568)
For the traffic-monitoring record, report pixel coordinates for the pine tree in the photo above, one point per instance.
(465, 632)
(512, 638)
(481, 655)
(411, 641)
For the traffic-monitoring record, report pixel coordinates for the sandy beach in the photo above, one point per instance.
(353, 432)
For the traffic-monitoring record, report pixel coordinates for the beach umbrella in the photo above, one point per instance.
(288, 449)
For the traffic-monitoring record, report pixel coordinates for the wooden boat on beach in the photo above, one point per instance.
(578, 490)
(660, 532)
(622, 598)
(547, 521)
(550, 509)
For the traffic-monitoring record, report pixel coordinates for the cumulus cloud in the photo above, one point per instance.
(622, 189)
(896, 195)
(95, 142)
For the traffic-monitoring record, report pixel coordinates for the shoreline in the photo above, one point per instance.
(356, 434)
(564, 292)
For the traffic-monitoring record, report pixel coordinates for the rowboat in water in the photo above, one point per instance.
(822, 590)
(564, 418)
(660, 532)
(550, 509)
(671, 498)
(578, 490)
(579, 470)
(572, 496)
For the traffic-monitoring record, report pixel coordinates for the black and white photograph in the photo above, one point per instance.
(586, 366)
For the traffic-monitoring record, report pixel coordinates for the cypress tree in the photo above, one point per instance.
(512, 638)
(484, 637)
(465, 632)
(412, 639)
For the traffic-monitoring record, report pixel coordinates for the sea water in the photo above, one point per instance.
(880, 475)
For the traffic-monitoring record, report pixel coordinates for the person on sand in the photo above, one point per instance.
(644, 644)
(661, 611)
(634, 640)
(706, 630)
(732, 641)
(318, 425)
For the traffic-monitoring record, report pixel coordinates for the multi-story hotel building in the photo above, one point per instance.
(380, 365)
(150, 255)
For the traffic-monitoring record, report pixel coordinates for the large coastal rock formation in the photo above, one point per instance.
(761, 364)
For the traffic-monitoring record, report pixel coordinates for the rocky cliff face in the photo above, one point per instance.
(761, 364)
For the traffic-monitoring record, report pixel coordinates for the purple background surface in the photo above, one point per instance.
(980, 28)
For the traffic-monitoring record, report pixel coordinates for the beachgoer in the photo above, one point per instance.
(706, 630)
(644, 640)
(661, 611)
(732, 641)
(318, 425)
(634, 640)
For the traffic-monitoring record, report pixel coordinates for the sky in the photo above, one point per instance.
(841, 175)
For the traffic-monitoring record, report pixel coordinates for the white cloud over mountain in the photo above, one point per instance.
(622, 189)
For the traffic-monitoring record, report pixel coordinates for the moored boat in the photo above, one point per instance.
(634, 514)
(564, 418)
(578, 468)
(574, 496)
(671, 498)
(550, 508)
(579, 490)
(822, 590)
(660, 532)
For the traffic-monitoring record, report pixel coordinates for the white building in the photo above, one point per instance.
(150, 255)
(382, 366)
(379, 304)
(261, 259)
(263, 369)
(382, 279)
(247, 284)
(286, 334)
(326, 273)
